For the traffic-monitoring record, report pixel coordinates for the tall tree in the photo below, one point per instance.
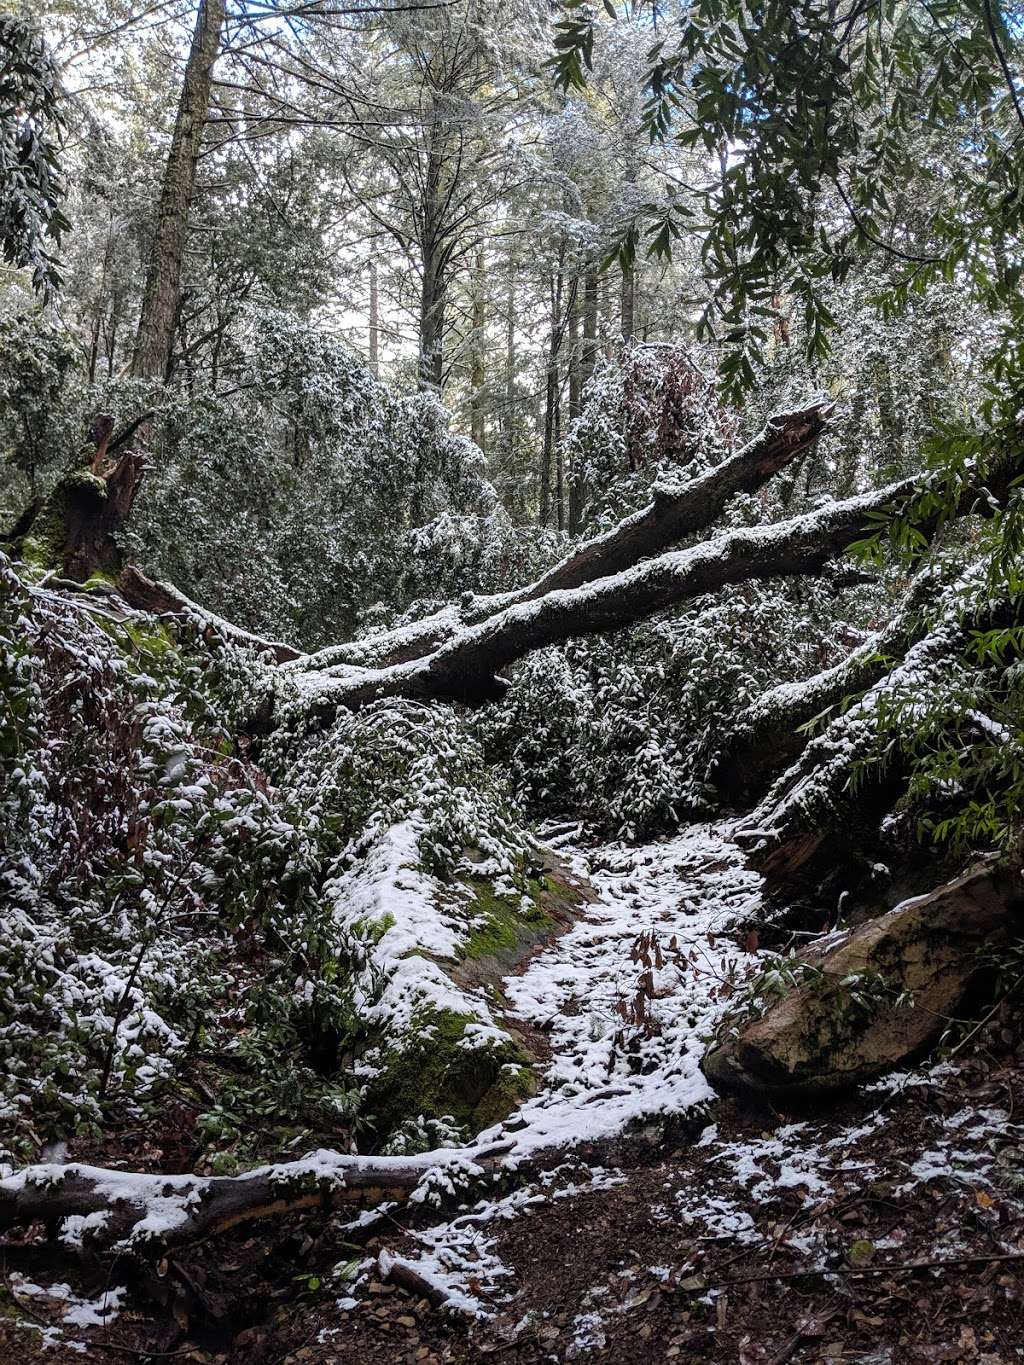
(162, 294)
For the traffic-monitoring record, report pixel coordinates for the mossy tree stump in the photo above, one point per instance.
(73, 532)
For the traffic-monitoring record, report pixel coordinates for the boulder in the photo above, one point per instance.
(860, 1002)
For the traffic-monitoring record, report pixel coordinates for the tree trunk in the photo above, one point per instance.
(478, 375)
(627, 304)
(73, 532)
(588, 359)
(510, 442)
(374, 338)
(192, 1207)
(163, 278)
(551, 399)
(467, 668)
(434, 283)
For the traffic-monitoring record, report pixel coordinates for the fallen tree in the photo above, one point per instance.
(466, 668)
(675, 511)
(149, 1215)
(772, 731)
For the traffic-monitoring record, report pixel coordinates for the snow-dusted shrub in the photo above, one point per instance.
(292, 502)
(481, 553)
(37, 361)
(165, 899)
(650, 413)
(620, 729)
(398, 760)
(138, 851)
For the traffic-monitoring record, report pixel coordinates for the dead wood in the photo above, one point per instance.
(152, 1214)
(675, 511)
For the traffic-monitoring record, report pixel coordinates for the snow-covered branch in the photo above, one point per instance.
(674, 512)
(467, 667)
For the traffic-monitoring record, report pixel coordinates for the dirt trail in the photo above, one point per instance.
(677, 1227)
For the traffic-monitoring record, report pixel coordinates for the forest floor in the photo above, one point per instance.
(669, 1224)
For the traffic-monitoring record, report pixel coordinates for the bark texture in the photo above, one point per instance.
(73, 532)
(151, 1214)
(163, 277)
(872, 998)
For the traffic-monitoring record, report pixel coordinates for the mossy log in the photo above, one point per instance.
(864, 1001)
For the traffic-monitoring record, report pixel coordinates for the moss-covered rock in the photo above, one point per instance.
(441, 1070)
(872, 998)
(502, 923)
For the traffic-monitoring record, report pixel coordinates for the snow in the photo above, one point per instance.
(72, 1309)
(387, 891)
(693, 888)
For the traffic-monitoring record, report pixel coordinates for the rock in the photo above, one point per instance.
(873, 998)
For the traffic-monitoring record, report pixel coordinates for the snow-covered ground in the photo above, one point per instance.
(668, 911)
(686, 896)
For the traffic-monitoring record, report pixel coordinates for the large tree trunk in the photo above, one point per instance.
(73, 532)
(466, 667)
(551, 402)
(588, 359)
(433, 285)
(163, 277)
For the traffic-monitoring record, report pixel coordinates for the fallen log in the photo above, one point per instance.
(163, 599)
(813, 806)
(152, 1214)
(467, 667)
(675, 511)
(771, 732)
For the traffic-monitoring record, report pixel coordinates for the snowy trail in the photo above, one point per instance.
(736, 1194)
(693, 889)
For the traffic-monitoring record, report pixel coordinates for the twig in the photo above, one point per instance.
(979, 1026)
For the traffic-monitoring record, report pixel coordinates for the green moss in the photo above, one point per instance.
(432, 1074)
(513, 1085)
(373, 930)
(153, 641)
(99, 580)
(506, 921)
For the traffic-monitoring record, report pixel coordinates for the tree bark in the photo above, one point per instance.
(73, 531)
(152, 1214)
(160, 300)
(588, 359)
(374, 323)
(478, 375)
(627, 304)
(434, 284)
(467, 668)
(673, 514)
(550, 398)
